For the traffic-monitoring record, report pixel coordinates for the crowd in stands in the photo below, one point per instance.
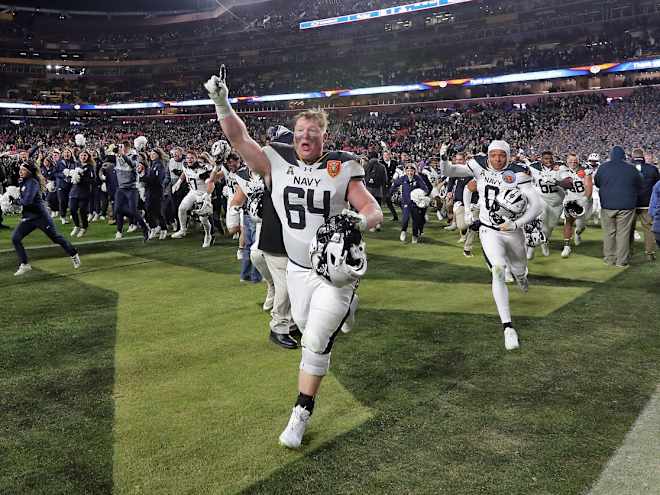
(584, 124)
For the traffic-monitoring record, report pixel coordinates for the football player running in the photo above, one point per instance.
(550, 181)
(507, 201)
(196, 174)
(578, 202)
(308, 187)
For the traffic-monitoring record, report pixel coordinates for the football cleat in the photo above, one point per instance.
(510, 339)
(415, 239)
(577, 239)
(131, 228)
(292, 435)
(566, 252)
(545, 249)
(75, 259)
(402, 237)
(81, 233)
(523, 283)
(154, 233)
(179, 234)
(468, 254)
(63, 220)
(22, 270)
(74, 232)
(162, 235)
(451, 227)
(119, 235)
(207, 240)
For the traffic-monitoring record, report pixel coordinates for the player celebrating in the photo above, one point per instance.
(308, 186)
(549, 180)
(196, 174)
(507, 202)
(578, 202)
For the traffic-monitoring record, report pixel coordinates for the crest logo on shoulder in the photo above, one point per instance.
(290, 171)
(509, 177)
(333, 167)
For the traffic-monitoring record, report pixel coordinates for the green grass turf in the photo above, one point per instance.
(149, 371)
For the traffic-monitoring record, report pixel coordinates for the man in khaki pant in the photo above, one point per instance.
(650, 175)
(619, 184)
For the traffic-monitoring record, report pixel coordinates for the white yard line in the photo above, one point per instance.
(635, 467)
(81, 243)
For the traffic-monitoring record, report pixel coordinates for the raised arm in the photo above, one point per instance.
(234, 128)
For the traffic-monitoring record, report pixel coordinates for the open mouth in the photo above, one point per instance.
(306, 147)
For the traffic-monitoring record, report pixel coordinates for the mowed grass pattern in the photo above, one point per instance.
(149, 371)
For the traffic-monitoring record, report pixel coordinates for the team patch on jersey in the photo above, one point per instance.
(581, 173)
(290, 171)
(333, 167)
(509, 177)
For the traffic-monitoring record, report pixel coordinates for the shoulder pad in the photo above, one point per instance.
(482, 160)
(341, 156)
(519, 167)
(536, 165)
(286, 151)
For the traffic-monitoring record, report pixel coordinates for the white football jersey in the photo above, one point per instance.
(305, 195)
(579, 190)
(196, 177)
(546, 181)
(490, 182)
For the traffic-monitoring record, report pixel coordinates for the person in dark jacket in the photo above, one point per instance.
(619, 184)
(64, 163)
(654, 212)
(650, 176)
(156, 178)
(48, 171)
(375, 177)
(35, 216)
(82, 178)
(390, 165)
(409, 182)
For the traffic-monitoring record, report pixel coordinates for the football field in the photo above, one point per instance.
(149, 371)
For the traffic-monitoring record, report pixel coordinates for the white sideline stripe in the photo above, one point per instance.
(82, 243)
(635, 467)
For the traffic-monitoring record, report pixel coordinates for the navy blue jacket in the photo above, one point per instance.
(650, 175)
(31, 199)
(618, 181)
(654, 208)
(85, 187)
(156, 179)
(407, 186)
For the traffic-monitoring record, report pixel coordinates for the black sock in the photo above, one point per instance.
(567, 242)
(506, 325)
(306, 402)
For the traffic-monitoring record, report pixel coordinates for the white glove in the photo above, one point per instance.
(104, 188)
(219, 93)
(359, 219)
(176, 186)
(50, 185)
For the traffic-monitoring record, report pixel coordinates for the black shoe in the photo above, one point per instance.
(295, 332)
(283, 340)
(145, 235)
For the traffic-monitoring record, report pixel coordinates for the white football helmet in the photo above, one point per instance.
(594, 157)
(508, 206)
(255, 205)
(203, 207)
(10, 201)
(140, 142)
(534, 235)
(80, 140)
(419, 197)
(338, 253)
(220, 150)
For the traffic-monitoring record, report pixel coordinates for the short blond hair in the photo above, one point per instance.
(317, 115)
